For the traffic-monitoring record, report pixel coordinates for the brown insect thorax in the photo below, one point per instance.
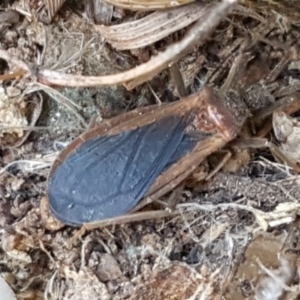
(215, 117)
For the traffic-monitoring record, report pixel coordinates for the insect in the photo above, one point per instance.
(110, 169)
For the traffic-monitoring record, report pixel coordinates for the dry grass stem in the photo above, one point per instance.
(26, 165)
(152, 28)
(147, 4)
(60, 98)
(197, 35)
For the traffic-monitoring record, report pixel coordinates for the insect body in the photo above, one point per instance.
(107, 176)
(106, 171)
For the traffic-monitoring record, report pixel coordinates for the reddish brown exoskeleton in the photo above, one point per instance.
(135, 158)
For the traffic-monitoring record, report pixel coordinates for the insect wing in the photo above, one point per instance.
(107, 176)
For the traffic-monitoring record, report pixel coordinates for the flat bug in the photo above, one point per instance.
(143, 154)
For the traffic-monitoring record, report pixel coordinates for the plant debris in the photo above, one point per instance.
(231, 229)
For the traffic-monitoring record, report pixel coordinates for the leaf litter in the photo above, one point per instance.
(252, 212)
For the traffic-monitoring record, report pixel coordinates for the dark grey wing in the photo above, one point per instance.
(107, 176)
(186, 145)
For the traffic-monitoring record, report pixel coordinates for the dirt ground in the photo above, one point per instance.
(235, 235)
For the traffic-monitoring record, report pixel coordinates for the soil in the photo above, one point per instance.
(237, 234)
